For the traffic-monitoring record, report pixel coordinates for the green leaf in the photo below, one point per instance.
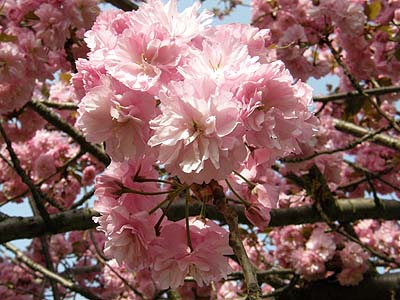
(7, 38)
(373, 9)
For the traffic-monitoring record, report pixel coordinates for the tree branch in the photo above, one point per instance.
(36, 193)
(348, 210)
(347, 147)
(125, 5)
(235, 241)
(381, 139)
(382, 287)
(357, 86)
(62, 125)
(355, 94)
(60, 105)
(39, 268)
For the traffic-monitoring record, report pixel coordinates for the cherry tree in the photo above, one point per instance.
(163, 157)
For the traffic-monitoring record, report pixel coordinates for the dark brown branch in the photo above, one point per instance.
(49, 265)
(125, 5)
(60, 105)
(62, 125)
(382, 287)
(70, 56)
(325, 203)
(355, 94)
(348, 210)
(37, 195)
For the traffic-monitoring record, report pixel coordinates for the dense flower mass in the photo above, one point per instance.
(196, 99)
(214, 103)
(220, 163)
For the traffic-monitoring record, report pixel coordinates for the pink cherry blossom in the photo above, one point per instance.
(118, 117)
(198, 134)
(308, 264)
(205, 261)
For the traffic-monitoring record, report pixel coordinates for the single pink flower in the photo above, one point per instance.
(119, 117)
(206, 260)
(197, 134)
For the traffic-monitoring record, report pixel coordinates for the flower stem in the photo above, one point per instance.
(245, 203)
(189, 241)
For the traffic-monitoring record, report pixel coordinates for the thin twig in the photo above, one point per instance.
(37, 195)
(356, 94)
(349, 146)
(49, 266)
(357, 86)
(84, 198)
(39, 268)
(103, 259)
(54, 119)
(373, 175)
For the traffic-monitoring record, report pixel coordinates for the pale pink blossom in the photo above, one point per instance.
(322, 244)
(205, 261)
(198, 135)
(225, 60)
(262, 199)
(118, 117)
(275, 112)
(308, 264)
(181, 27)
(44, 165)
(130, 235)
(139, 58)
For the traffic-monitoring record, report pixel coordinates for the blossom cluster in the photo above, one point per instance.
(365, 30)
(316, 254)
(165, 88)
(35, 38)
(47, 157)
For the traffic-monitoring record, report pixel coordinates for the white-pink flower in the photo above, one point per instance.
(198, 135)
(139, 58)
(262, 198)
(130, 234)
(275, 111)
(206, 261)
(322, 244)
(119, 117)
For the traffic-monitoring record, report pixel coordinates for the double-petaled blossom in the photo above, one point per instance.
(274, 111)
(198, 134)
(204, 101)
(203, 256)
(118, 116)
(355, 263)
(128, 219)
(140, 59)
